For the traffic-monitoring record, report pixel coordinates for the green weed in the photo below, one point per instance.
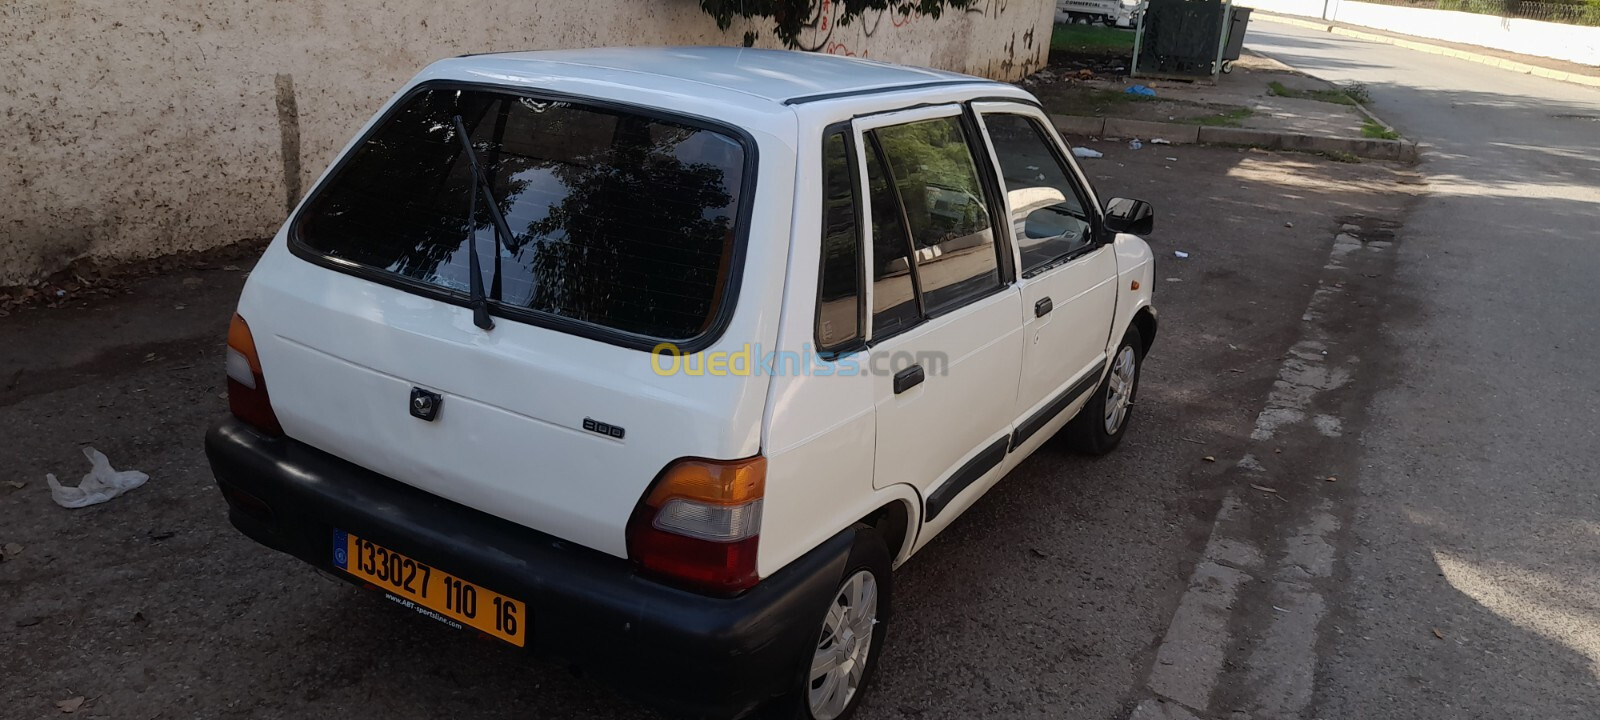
(1227, 118)
(1371, 129)
(1336, 96)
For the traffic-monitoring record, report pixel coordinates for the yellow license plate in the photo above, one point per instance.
(430, 590)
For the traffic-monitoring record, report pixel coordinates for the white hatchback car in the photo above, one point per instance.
(661, 359)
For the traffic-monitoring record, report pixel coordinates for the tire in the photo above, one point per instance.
(1092, 431)
(867, 568)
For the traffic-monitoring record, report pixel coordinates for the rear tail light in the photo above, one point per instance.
(247, 389)
(699, 524)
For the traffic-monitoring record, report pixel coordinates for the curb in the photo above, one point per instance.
(1499, 62)
(1181, 134)
(1359, 106)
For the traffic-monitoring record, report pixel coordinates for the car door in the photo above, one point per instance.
(1067, 274)
(944, 313)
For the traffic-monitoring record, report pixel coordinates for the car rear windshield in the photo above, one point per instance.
(618, 219)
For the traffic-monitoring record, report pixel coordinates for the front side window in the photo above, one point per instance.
(618, 219)
(1047, 217)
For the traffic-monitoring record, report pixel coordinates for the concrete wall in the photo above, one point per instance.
(1573, 43)
(138, 128)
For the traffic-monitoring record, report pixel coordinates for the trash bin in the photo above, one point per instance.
(1237, 25)
(1180, 39)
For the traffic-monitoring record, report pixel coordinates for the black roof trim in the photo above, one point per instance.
(803, 99)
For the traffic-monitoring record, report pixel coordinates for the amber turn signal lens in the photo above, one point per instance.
(239, 339)
(247, 388)
(713, 482)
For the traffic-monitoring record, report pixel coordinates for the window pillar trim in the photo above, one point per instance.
(910, 246)
(1007, 249)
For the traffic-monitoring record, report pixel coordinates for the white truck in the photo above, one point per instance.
(1115, 13)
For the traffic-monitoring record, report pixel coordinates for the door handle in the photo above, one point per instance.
(908, 378)
(1043, 308)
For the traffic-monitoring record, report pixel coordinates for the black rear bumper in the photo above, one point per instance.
(689, 653)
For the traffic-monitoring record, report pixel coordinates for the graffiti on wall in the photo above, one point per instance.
(817, 33)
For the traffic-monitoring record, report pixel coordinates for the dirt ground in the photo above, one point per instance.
(1046, 600)
(1243, 98)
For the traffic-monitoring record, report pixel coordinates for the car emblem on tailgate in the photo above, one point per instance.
(607, 429)
(425, 404)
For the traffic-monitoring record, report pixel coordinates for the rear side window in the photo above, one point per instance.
(619, 220)
(839, 289)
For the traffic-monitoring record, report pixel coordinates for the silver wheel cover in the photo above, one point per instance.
(1119, 389)
(843, 647)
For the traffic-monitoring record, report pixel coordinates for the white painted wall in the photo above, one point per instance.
(139, 128)
(1308, 8)
(1573, 43)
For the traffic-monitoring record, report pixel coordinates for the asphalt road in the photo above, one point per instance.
(1469, 581)
(1381, 379)
(1048, 599)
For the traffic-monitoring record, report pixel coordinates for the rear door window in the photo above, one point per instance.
(620, 220)
(933, 240)
(930, 166)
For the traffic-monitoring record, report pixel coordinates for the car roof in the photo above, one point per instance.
(774, 76)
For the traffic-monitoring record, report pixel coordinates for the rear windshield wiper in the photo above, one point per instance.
(502, 234)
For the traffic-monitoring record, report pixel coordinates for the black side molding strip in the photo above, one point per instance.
(974, 469)
(1049, 412)
(803, 99)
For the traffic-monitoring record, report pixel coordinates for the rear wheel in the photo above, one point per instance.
(1099, 426)
(836, 674)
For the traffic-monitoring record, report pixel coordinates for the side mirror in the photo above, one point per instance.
(1135, 217)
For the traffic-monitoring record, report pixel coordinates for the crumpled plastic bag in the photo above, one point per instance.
(101, 483)
(1084, 152)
